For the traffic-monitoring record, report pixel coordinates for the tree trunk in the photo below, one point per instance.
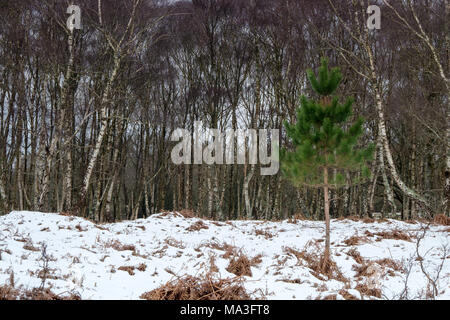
(68, 181)
(103, 125)
(248, 205)
(187, 187)
(326, 255)
(53, 150)
(387, 185)
(382, 133)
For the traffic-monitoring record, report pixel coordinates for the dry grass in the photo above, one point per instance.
(175, 243)
(314, 261)
(365, 290)
(228, 248)
(30, 247)
(256, 260)
(300, 255)
(355, 255)
(169, 271)
(198, 225)
(390, 263)
(212, 264)
(185, 213)
(47, 294)
(129, 269)
(361, 270)
(80, 228)
(395, 234)
(192, 288)
(369, 234)
(142, 267)
(117, 245)
(164, 213)
(5, 251)
(297, 217)
(355, 240)
(296, 281)
(346, 295)
(365, 268)
(265, 233)
(229, 252)
(188, 213)
(240, 265)
(161, 252)
(362, 219)
(44, 274)
(8, 292)
(329, 297)
(442, 220)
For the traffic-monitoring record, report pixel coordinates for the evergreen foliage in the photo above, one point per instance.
(321, 139)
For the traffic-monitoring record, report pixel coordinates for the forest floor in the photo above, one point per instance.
(153, 258)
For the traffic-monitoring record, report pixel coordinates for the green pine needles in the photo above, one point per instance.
(324, 148)
(321, 140)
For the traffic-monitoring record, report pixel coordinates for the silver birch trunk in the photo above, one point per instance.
(383, 135)
(103, 126)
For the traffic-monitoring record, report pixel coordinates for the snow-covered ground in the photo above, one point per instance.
(86, 257)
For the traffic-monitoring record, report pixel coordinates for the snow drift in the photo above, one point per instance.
(272, 260)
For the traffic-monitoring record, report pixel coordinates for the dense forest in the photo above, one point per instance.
(87, 114)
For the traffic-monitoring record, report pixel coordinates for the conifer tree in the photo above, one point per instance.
(324, 143)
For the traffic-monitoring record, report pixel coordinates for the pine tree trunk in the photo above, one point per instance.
(326, 255)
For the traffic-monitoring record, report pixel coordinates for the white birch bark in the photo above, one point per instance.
(119, 53)
(103, 126)
(383, 134)
(49, 160)
(421, 34)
